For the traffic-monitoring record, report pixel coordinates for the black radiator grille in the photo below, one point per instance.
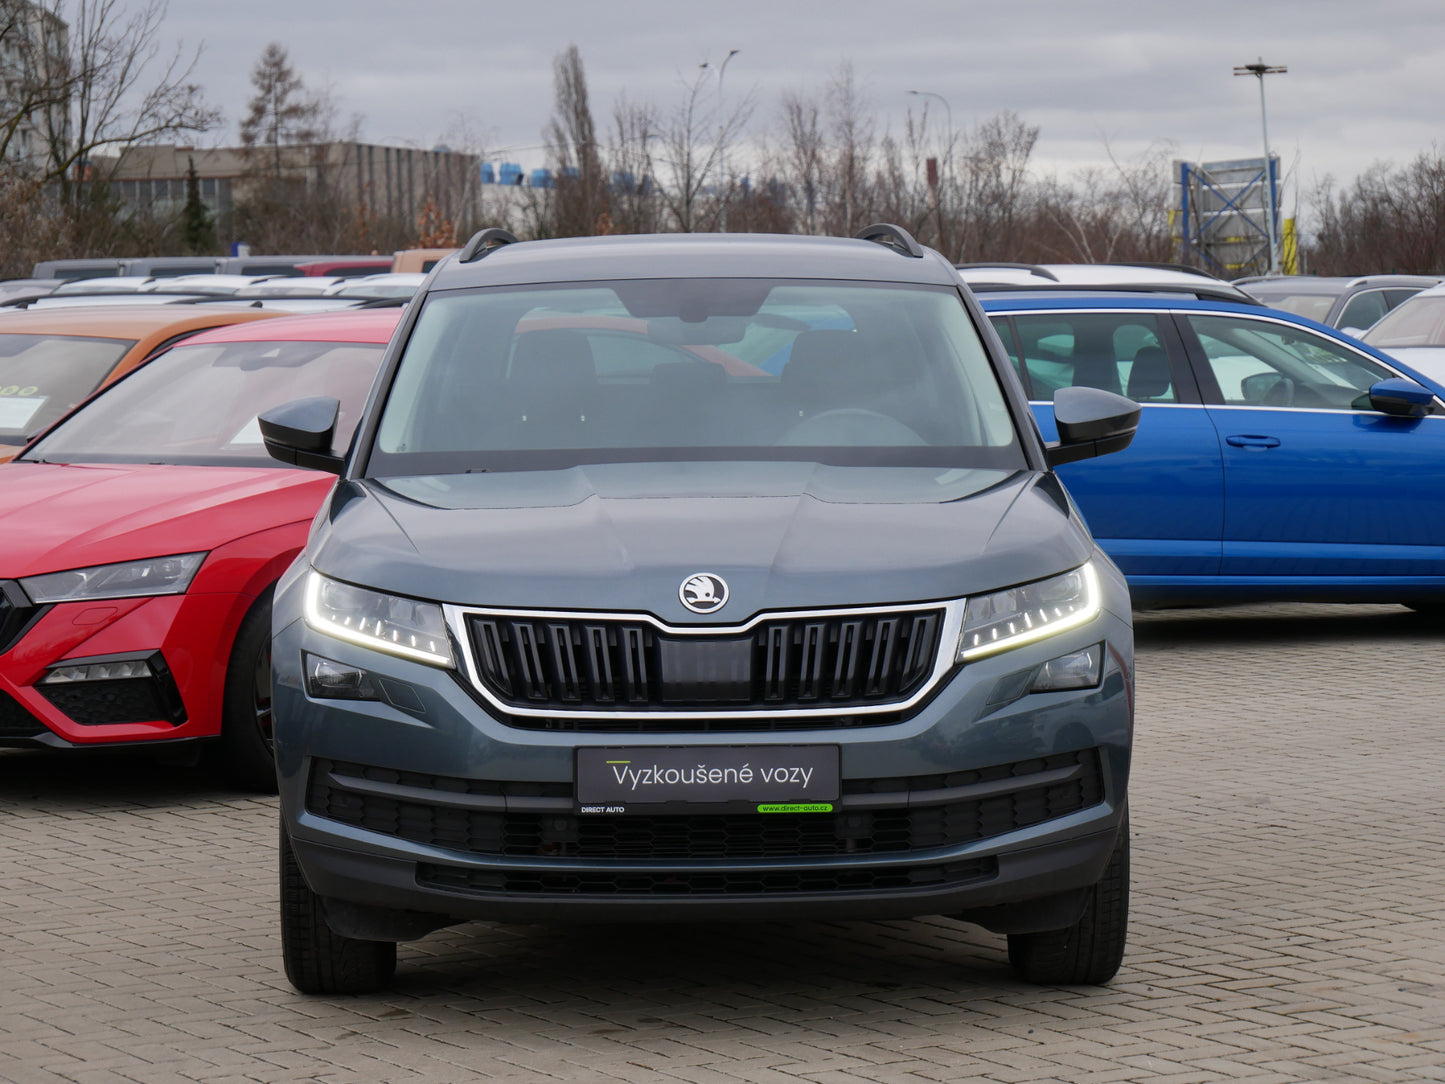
(963, 807)
(629, 666)
(16, 722)
(16, 613)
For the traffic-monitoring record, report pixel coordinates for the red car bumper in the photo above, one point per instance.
(118, 671)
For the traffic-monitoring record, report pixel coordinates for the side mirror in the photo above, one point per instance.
(1401, 397)
(1091, 422)
(300, 433)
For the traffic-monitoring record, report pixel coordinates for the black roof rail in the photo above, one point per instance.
(483, 241)
(891, 236)
(1032, 268)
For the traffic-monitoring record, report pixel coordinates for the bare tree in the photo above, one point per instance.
(579, 202)
(802, 157)
(121, 89)
(630, 151)
(692, 143)
(1391, 219)
(995, 186)
(851, 136)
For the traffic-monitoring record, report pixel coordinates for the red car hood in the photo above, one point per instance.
(55, 516)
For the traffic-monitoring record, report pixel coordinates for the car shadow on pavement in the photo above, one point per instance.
(85, 778)
(642, 972)
(1283, 623)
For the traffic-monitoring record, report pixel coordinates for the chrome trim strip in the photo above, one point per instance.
(456, 617)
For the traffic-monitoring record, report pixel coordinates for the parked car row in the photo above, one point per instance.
(1351, 304)
(147, 528)
(675, 577)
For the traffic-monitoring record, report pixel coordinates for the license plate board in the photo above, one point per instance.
(692, 778)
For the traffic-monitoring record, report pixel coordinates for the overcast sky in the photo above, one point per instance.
(1366, 79)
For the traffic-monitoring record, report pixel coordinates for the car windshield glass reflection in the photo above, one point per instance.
(707, 368)
(198, 403)
(43, 376)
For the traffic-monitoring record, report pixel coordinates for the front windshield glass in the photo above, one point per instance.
(197, 403)
(1419, 321)
(831, 372)
(43, 376)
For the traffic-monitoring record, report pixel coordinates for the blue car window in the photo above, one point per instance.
(1262, 363)
(1121, 352)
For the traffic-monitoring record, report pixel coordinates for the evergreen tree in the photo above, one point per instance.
(198, 229)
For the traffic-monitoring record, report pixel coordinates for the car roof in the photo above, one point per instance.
(122, 321)
(1324, 284)
(1429, 291)
(1062, 299)
(683, 255)
(345, 325)
(985, 278)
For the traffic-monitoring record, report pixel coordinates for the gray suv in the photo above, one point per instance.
(685, 577)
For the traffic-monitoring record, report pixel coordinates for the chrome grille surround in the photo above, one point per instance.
(460, 618)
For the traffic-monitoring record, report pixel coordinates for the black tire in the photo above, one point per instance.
(1090, 951)
(318, 960)
(246, 753)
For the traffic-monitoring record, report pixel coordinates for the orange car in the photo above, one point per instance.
(51, 359)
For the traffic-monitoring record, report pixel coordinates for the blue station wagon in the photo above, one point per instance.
(1276, 459)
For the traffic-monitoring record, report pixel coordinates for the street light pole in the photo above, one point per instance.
(1259, 69)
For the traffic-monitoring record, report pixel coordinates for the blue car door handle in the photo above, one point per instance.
(1252, 440)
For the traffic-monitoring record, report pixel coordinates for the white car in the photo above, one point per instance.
(1108, 277)
(1414, 332)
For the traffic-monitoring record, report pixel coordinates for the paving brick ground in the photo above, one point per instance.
(1289, 921)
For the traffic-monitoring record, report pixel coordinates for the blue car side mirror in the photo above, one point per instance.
(1401, 397)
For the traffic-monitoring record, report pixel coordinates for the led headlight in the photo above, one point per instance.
(1021, 615)
(398, 626)
(129, 579)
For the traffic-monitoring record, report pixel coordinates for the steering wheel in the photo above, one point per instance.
(851, 426)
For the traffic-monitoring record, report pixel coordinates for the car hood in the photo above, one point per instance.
(59, 516)
(625, 536)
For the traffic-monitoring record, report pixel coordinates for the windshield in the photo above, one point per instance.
(197, 403)
(43, 376)
(844, 373)
(1420, 321)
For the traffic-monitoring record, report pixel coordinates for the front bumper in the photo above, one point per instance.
(428, 808)
(185, 640)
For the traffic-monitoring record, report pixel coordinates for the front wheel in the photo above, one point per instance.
(1090, 951)
(319, 960)
(246, 753)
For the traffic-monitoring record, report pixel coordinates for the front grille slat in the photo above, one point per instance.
(596, 663)
(599, 664)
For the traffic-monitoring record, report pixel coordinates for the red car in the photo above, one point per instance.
(145, 530)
